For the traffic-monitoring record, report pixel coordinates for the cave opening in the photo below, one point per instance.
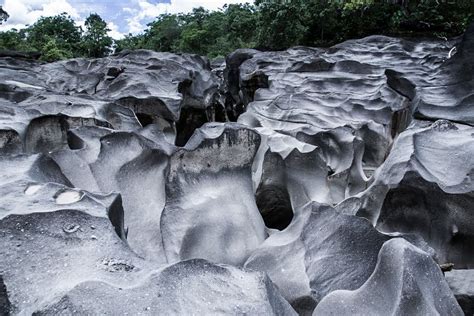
(74, 142)
(274, 205)
(442, 220)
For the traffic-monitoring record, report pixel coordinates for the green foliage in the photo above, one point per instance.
(267, 24)
(130, 41)
(95, 42)
(14, 40)
(323, 23)
(58, 37)
(51, 51)
(444, 18)
(364, 17)
(162, 34)
(281, 24)
(201, 32)
(61, 28)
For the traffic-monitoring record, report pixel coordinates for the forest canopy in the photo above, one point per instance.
(265, 25)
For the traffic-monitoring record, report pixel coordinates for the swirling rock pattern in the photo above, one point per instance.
(308, 181)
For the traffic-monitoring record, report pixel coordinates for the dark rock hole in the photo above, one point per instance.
(5, 305)
(189, 120)
(144, 119)
(274, 205)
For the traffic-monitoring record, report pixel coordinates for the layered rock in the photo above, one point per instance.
(320, 252)
(117, 91)
(449, 92)
(332, 113)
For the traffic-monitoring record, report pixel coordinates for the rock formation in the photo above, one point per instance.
(308, 181)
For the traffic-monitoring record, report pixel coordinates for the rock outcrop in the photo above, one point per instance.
(404, 282)
(180, 289)
(462, 284)
(309, 181)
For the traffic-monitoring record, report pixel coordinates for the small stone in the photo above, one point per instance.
(71, 228)
(445, 267)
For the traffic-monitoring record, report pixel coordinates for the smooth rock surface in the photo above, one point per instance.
(210, 210)
(425, 187)
(404, 282)
(186, 288)
(462, 284)
(312, 181)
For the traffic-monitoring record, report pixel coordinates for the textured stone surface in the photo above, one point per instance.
(210, 210)
(404, 282)
(425, 187)
(462, 284)
(180, 289)
(310, 181)
(323, 251)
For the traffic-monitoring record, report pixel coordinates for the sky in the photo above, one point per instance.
(122, 16)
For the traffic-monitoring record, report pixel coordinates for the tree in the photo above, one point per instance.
(163, 33)
(280, 23)
(197, 36)
(96, 42)
(130, 41)
(444, 18)
(3, 15)
(269, 24)
(14, 40)
(61, 28)
(241, 24)
(52, 51)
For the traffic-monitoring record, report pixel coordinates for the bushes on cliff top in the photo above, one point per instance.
(272, 25)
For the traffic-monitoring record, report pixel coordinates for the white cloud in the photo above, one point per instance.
(24, 12)
(114, 31)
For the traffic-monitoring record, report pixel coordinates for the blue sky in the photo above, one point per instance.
(123, 16)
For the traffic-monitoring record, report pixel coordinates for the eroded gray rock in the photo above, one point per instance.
(404, 282)
(210, 210)
(187, 287)
(46, 254)
(425, 187)
(346, 182)
(462, 284)
(321, 251)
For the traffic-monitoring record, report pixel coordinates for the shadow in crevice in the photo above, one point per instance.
(144, 119)
(274, 205)
(189, 120)
(5, 306)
